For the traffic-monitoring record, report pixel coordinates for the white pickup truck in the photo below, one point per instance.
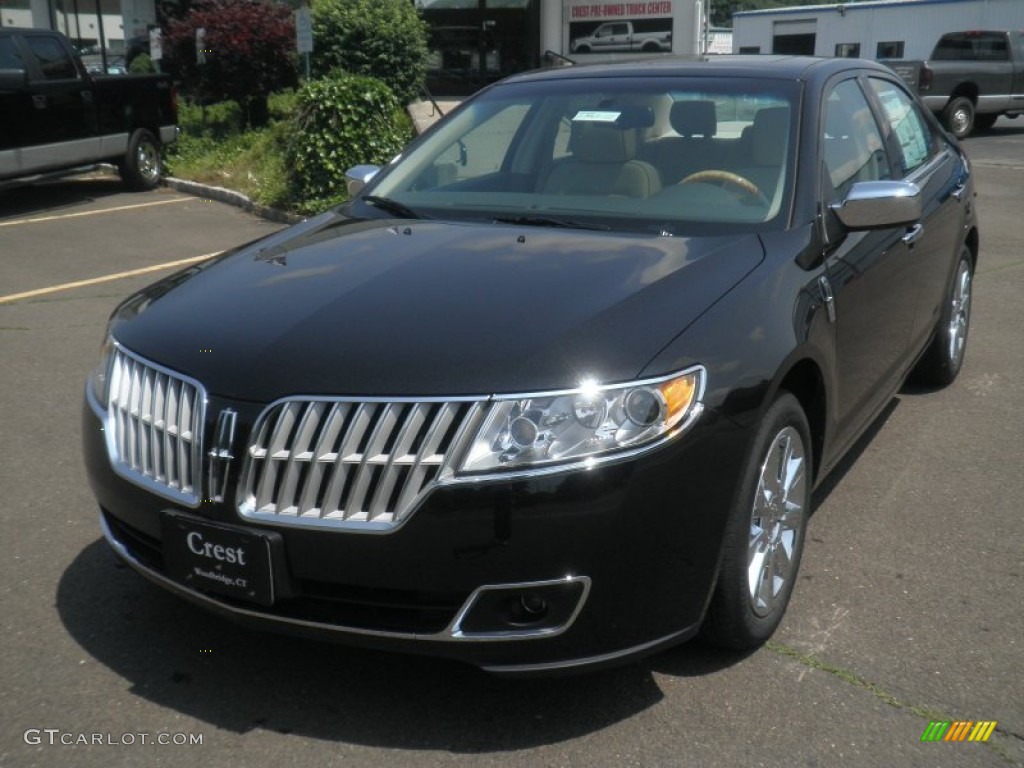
(619, 37)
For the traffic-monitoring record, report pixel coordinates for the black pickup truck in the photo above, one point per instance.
(56, 117)
(971, 78)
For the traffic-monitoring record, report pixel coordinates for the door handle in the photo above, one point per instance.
(958, 192)
(913, 234)
(39, 100)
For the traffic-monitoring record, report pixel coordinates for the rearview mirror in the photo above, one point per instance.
(13, 79)
(880, 204)
(358, 177)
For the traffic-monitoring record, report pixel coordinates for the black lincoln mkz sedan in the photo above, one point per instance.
(554, 388)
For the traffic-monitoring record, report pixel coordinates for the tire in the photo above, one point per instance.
(944, 358)
(143, 164)
(986, 121)
(958, 116)
(765, 532)
(583, 49)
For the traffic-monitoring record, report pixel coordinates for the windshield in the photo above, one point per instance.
(671, 155)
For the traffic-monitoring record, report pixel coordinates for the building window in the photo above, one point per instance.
(847, 50)
(750, 49)
(890, 50)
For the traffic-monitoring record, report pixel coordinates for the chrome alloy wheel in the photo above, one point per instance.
(147, 158)
(961, 313)
(959, 121)
(776, 521)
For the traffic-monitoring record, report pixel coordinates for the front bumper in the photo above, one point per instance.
(627, 553)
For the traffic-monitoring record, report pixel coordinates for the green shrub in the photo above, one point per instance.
(385, 39)
(141, 65)
(340, 121)
(225, 118)
(282, 104)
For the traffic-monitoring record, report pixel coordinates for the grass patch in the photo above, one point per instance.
(296, 162)
(251, 163)
(215, 148)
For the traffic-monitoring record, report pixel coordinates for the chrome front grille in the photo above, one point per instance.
(349, 464)
(154, 427)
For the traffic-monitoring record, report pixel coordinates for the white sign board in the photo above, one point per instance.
(304, 29)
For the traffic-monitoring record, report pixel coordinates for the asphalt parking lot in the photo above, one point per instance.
(908, 608)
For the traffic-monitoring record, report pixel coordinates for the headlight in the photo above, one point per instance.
(591, 423)
(99, 379)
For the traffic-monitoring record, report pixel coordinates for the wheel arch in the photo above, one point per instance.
(966, 89)
(806, 382)
(973, 245)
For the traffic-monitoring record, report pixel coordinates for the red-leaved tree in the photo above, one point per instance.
(249, 50)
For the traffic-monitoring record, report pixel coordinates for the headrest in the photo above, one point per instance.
(771, 135)
(694, 118)
(604, 143)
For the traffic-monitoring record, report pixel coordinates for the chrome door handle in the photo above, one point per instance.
(913, 234)
(958, 192)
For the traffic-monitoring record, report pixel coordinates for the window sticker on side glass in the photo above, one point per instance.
(594, 116)
(908, 130)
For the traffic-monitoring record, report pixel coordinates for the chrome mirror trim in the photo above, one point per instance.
(880, 204)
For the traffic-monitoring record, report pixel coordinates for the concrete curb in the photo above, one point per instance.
(231, 197)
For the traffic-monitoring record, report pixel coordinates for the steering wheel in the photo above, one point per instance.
(728, 177)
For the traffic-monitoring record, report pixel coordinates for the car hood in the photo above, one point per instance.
(425, 308)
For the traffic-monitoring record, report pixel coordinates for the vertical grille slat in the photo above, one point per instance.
(156, 417)
(324, 462)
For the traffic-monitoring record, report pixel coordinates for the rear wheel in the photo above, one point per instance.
(764, 535)
(959, 116)
(142, 164)
(942, 362)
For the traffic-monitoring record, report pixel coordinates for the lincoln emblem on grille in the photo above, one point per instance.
(220, 455)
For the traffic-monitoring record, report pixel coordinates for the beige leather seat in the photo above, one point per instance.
(769, 137)
(603, 163)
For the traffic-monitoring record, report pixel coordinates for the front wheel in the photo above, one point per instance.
(959, 116)
(942, 361)
(764, 535)
(142, 164)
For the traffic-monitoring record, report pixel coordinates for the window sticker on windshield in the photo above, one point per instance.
(593, 116)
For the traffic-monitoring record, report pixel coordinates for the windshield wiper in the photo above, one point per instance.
(400, 210)
(549, 221)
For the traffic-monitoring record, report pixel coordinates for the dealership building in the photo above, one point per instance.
(472, 42)
(876, 29)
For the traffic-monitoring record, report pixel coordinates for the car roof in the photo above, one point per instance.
(725, 65)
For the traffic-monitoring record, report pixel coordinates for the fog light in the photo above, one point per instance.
(527, 609)
(533, 606)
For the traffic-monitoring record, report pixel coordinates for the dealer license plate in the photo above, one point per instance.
(234, 562)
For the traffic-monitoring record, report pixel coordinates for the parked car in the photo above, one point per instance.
(553, 390)
(971, 78)
(58, 116)
(621, 37)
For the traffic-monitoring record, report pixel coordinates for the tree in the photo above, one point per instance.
(249, 50)
(385, 39)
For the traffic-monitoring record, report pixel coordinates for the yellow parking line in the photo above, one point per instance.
(104, 278)
(93, 213)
